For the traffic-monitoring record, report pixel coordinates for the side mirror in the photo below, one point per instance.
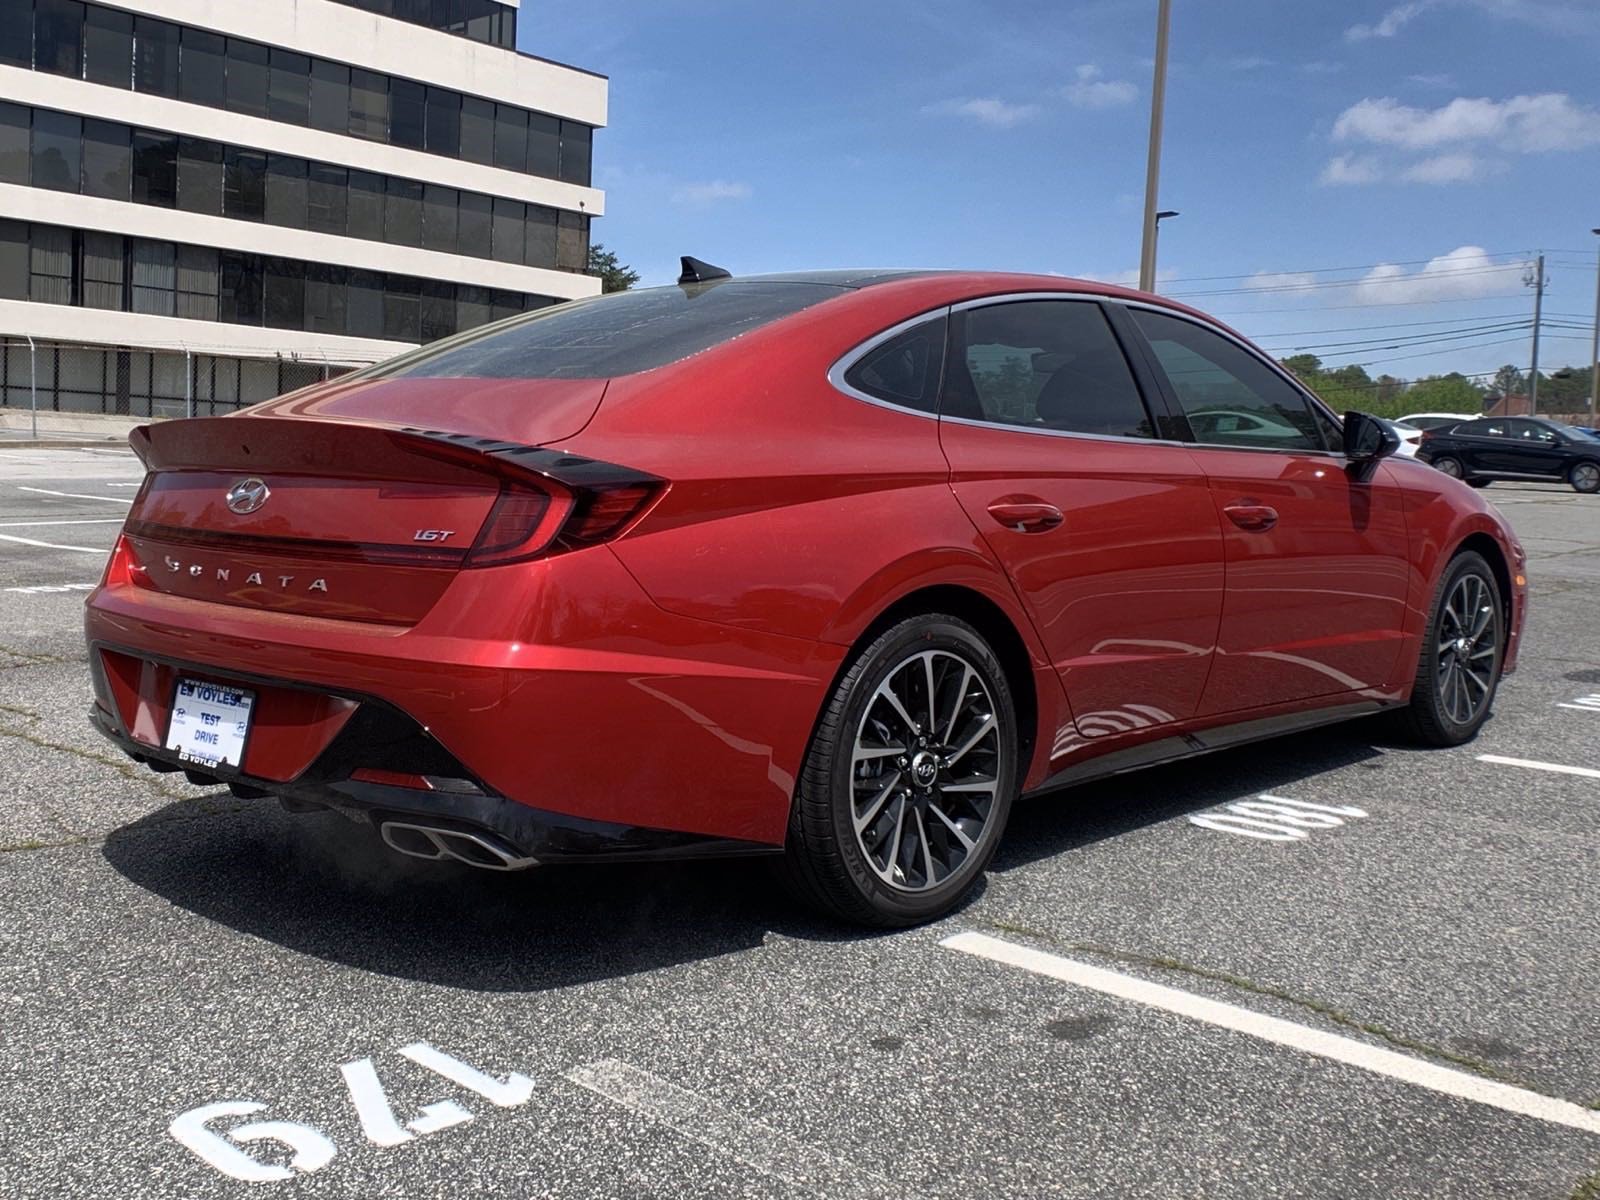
(1367, 439)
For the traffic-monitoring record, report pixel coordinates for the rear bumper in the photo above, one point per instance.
(593, 723)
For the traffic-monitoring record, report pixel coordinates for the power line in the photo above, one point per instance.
(1414, 262)
(1363, 281)
(1417, 339)
(1259, 312)
(1431, 353)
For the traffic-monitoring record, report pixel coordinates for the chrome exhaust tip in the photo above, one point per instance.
(432, 842)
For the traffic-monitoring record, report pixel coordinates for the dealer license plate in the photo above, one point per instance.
(209, 723)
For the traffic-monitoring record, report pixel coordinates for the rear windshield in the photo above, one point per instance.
(611, 335)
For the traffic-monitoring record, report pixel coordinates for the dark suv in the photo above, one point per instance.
(1514, 448)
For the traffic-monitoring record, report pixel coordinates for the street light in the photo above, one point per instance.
(1594, 347)
(1152, 176)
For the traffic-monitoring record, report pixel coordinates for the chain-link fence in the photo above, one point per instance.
(49, 377)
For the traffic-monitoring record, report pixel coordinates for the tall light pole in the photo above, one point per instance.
(1594, 349)
(1160, 217)
(1536, 282)
(1152, 175)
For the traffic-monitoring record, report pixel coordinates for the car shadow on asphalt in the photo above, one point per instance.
(1057, 822)
(324, 886)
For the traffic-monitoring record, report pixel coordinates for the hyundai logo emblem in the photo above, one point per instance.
(248, 495)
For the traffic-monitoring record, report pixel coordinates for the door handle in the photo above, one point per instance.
(1258, 518)
(1026, 516)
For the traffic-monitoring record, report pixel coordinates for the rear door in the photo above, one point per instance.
(1108, 533)
(1316, 548)
(1537, 448)
(1483, 445)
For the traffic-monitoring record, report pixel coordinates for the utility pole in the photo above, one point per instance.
(1594, 349)
(1537, 283)
(1152, 175)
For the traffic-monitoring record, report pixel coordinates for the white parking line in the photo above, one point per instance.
(73, 495)
(49, 589)
(39, 524)
(705, 1121)
(1534, 765)
(1284, 1033)
(100, 550)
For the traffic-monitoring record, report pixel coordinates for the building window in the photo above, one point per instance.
(102, 271)
(155, 168)
(542, 226)
(13, 260)
(474, 307)
(197, 283)
(244, 184)
(438, 312)
(239, 288)
(330, 96)
(289, 88)
(107, 160)
(16, 128)
(154, 277)
(200, 176)
(203, 69)
(286, 192)
(285, 294)
(58, 37)
(364, 305)
(544, 146)
(477, 130)
(50, 265)
(57, 149)
(326, 295)
(369, 105)
(511, 137)
(155, 57)
(577, 151)
(328, 198)
(402, 218)
(16, 40)
(366, 205)
(247, 77)
(408, 114)
(439, 218)
(510, 237)
(572, 242)
(474, 235)
(402, 308)
(108, 47)
(444, 122)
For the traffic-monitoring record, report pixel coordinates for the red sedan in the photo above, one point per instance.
(831, 565)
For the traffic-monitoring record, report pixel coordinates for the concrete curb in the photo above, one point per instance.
(63, 444)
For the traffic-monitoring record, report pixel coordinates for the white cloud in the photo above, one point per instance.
(1322, 67)
(1466, 273)
(1349, 170)
(1524, 124)
(1391, 23)
(1128, 278)
(986, 110)
(1089, 90)
(712, 191)
(1446, 168)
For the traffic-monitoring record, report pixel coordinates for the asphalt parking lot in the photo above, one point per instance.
(1328, 966)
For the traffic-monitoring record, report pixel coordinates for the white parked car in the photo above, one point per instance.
(1410, 437)
(1435, 420)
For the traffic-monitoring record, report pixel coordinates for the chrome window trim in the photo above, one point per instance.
(1282, 373)
(836, 373)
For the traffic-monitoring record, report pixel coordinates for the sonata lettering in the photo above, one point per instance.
(254, 578)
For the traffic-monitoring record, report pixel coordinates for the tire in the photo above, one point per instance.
(1450, 466)
(1585, 477)
(972, 740)
(1442, 712)
(1477, 483)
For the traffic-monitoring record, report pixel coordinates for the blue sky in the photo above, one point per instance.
(1426, 145)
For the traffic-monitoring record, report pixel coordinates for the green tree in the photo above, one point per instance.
(614, 276)
(1452, 393)
(1509, 381)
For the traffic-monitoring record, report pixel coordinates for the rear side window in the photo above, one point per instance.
(1230, 396)
(611, 335)
(1042, 364)
(905, 369)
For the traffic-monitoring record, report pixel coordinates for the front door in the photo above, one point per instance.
(1316, 548)
(1109, 535)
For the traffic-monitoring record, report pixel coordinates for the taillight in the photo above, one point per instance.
(520, 526)
(528, 520)
(120, 566)
(1427, 434)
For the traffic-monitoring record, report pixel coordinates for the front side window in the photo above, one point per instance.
(1533, 431)
(1484, 428)
(1042, 364)
(905, 369)
(1230, 396)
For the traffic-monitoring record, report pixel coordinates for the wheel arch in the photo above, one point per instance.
(1494, 554)
(1038, 700)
